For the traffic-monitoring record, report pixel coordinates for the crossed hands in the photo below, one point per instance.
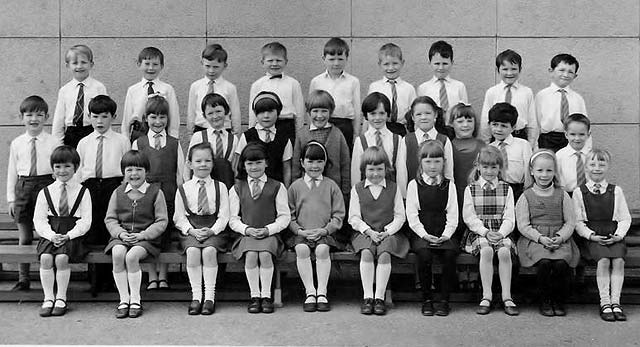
(313, 234)
(257, 233)
(605, 240)
(375, 236)
(201, 234)
(435, 241)
(59, 240)
(130, 238)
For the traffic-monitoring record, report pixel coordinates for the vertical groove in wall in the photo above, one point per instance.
(59, 43)
(495, 77)
(206, 22)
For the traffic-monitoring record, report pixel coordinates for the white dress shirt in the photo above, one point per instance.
(151, 135)
(66, 105)
(42, 212)
(191, 189)
(476, 225)
(620, 210)
(405, 92)
(456, 92)
(198, 91)
(136, 101)
(355, 215)
(114, 146)
(521, 98)
(287, 154)
(518, 153)
(548, 107)
(413, 208)
(345, 90)
(567, 162)
(387, 143)
(288, 90)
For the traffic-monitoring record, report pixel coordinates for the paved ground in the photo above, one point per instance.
(167, 323)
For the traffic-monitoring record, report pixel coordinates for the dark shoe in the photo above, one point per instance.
(135, 310)
(618, 313)
(484, 309)
(606, 313)
(379, 308)
(254, 306)
(46, 311)
(122, 311)
(442, 308)
(558, 309)
(324, 305)
(208, 308)
(310, 306)
(510, 310)
(546, 309)
(427, 308)
(59, 310)
(267, 305)
(153, 285)
(21, 286)
(195, 307)
(367, 306)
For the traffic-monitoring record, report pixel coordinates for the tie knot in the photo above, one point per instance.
(442, 80)
(80, 84)
(392, 81)
(426, 137)
(488, 186)
(562, 91)
(275, 76)
(64, 185)
(217, 132)
(100, 137)
(211, 82)
(502, 144)
(201, 182)
(597, 185)
(378, 132)
(508, 86)
(34, 139)
(157, 135)
(150, 83)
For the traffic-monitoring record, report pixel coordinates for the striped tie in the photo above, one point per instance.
(33, 171)
(255, 187)
(203, 201)
(394, 101)
(444, 99)
(503, 150)
(267, 135)
(507, 96)
(99, 157)
(219, 149)
(596, 188)
(64, 204)
(210, 87)
(157, 144)
(379, 139)
(580, 178)
(425, 137)
(564, 105)
(78, 112)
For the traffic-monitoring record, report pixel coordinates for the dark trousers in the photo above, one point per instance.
(553, 280)
(287, 127)
(425, 261)
(397, 128)
(554, 141)
(346, 126)
(197, 128)
(73, 135)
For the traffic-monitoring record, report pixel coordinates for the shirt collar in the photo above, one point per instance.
(142, 189)
(262, 178)
(585, 150)
(327, 75)
(384, 131)
(591, 184)
(313, 127)
(38, 137)
(106, 133)
(555, 87)
(207, 180)
(269, 75)
(152, 133)
(436, 79)
(308, 179)
(215, 81)
(398, 80)
(155, 81)
(85, 81)
(431, 181)
(382, 183)
(508, 140)
(503, 85)
(271, 129)
(482, 181)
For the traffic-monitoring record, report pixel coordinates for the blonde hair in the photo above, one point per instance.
(545, 153)
(488, 155)
(599, 154)
(374, 155)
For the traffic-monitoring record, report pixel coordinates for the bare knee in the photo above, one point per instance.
(62, 261)
(486, 254)
(46, 261)
(118, 254)
(193, 256)
(604, 263)
(251, 259)
(504, 255)
(384, 258)
(322, 252)
(366, 256)
(618, 263)
(302, 251)
(210, 257)
(132, 260)
(266, 260)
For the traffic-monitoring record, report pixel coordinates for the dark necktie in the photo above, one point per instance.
(564, 105)
(78, 112)
(444, 98)
(580, 178)
(507, 96)
(203, 200)
(150, 88)
(33, 170)
(394, 101)
(219, 149)
(64, 204)
(210, 87)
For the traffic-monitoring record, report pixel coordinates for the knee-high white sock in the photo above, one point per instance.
(135, 278)
(47, 278)
(367, 273)
(62, 280)
(617, 279)
(253, 277)
(323, 267)
(195, 279)
(210, 275)
(122, 283)
(383, 271)
(486, 277)
(306, 274)
(603, 278)
(266, 276)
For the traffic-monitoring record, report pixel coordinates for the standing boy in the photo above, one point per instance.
(572, 159)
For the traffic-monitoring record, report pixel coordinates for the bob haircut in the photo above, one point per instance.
(599, 154)
(134, 158)
(254, 151)
(65, 154)
(320, 99)
(488, 155)
(461, 110)
(214, 100)
(374, 156)
(157, 104)
(429, 149)
(266, 101)
(371, 102)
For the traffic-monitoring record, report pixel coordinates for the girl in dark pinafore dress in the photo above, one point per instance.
(62, 216)
(603, 218)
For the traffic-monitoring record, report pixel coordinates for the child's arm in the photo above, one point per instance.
(413, 208)
(180, 219)
(463, 94)
(40, 218)
(111, 218)
(236, 116)
(532, 120)
(470, 217)
(621, 213)
(399, 215)
(12, 179)
(508, 216)
(345, 162)
(452, 212)
(526, 156)
(294, 226)
(161, 221)
(252, 94)
(127, 113)
(448, 162)
(538, 109)
(337, 209)
(180, 166)
(524, 221)
(355, 216)
(401, 168)
(287, 154)
(357, 115)
(192, 108)
(173, 128)
(86, 216)
(223, 211)
(568, 211)
(235, 222)
(485, 132)
(296, 168)
(298, 104)
(355, 161)
(57, 125)
(580, 214)
(283, 214)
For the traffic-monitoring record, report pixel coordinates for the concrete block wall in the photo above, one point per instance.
(605, 37)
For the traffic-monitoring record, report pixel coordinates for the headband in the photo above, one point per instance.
(324, 150)
(149, 96)
(539, 153)
(265, 96)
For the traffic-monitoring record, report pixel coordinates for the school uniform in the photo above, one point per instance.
(521, 97)
(405, 94)
(370, 208)
(518, 152)
(279, 149)
(289, 91)
(223, 144)
(392, 145)
(55, 215)
(71, 118)
(136, 101)
(211, 213)
(601, 211)
(549, 114)
(199, 89)
(408, 156)
(263, 207)
(567, 159)
(146, 216)
(315, 203)
(345, 90)
(488, 206)
(456, 92)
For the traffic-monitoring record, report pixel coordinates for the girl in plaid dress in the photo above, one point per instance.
(488, 212)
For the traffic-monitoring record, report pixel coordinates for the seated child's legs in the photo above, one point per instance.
(448, 260)
(486, 271)
(25, 237)
(617, 279)
(266, 273)
(134, 274)
(194, 271)
(304, 268)
(323, 267)
(210, 272)
(425, 260)
(543, 278)
(504, 270)
(210, 257)
(603, 278)
(562, 280)
(63, 274)
(367, 272)
(252, 272)
(118, 256)
(383, 271)
(47, 277)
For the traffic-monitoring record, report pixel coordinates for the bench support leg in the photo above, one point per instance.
(388, 298)
(277, 291)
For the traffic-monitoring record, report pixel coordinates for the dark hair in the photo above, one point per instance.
(266, 101)
(439, 114)
(391, 50)
(335, 46)
(371, 102)
(214, 100)
(215, 52)
(151, 53)
(65, 154)
(441, 47)
(205, 146)
(34, 103)
(315, 150)
(320, 99)
(252, 152)
(275, 48)
(564, 58)
(503, 112)
(461, 110)
(157, 104)
(509, 56)
(78, 50)
(429, 149)
(577, 118)
(102, 104)
(135, 159)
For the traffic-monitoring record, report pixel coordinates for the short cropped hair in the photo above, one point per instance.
(134, 158)
(577, 118)
(441, 47)
(34, 103)
(564, 58)
(320, 99)
(275, 48)
(202, 146)
(65, 154)
(214, 100)
(509, 56)
(157, 104)
(254, 151)
(151, 53)
(371, 102)
(335, 46)
(266, 101)
(215, 51)
(389, 50)
(78, 50)
(102, 104)
(503, 112)
(374, 155)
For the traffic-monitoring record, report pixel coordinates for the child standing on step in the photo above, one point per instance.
(61, 217)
